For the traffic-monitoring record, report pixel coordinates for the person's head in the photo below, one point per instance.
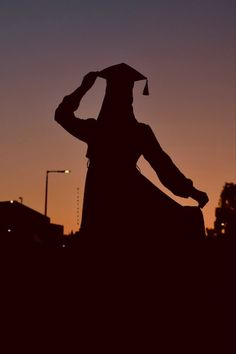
(117, 104)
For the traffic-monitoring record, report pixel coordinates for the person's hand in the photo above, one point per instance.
(200, 197)
(89, 80)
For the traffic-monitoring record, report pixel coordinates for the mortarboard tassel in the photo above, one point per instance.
(146, 90)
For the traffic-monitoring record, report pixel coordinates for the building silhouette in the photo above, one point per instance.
(21, 226)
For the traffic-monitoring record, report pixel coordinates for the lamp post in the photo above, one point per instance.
(46, 186)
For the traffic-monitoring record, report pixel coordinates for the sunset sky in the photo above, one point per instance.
(186, 49)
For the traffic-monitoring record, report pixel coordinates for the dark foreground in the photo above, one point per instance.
(119, 301)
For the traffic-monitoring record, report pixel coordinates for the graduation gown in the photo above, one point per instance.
(137, 240)
(121, 206)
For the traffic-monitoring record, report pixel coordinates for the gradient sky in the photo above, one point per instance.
(187, 50)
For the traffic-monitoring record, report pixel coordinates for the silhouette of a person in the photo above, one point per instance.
(121, 206)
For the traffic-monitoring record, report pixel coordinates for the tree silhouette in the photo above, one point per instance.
(225, 223)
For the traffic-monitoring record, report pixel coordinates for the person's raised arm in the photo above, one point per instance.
(169, 175)
(64, 114)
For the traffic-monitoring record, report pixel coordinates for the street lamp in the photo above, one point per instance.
(46, 187)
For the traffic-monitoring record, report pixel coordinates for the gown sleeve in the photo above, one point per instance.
(64, 115)
(169, 175)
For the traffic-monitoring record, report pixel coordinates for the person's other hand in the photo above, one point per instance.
(89, 80)
(200, 197)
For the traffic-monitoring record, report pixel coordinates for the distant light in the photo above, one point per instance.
(11, 201)
(63, 246)
(222, 224)
(67, 171)
(9, 230)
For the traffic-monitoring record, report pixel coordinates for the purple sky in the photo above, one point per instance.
(187, 50)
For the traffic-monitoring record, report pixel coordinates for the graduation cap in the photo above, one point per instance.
(123, 73)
